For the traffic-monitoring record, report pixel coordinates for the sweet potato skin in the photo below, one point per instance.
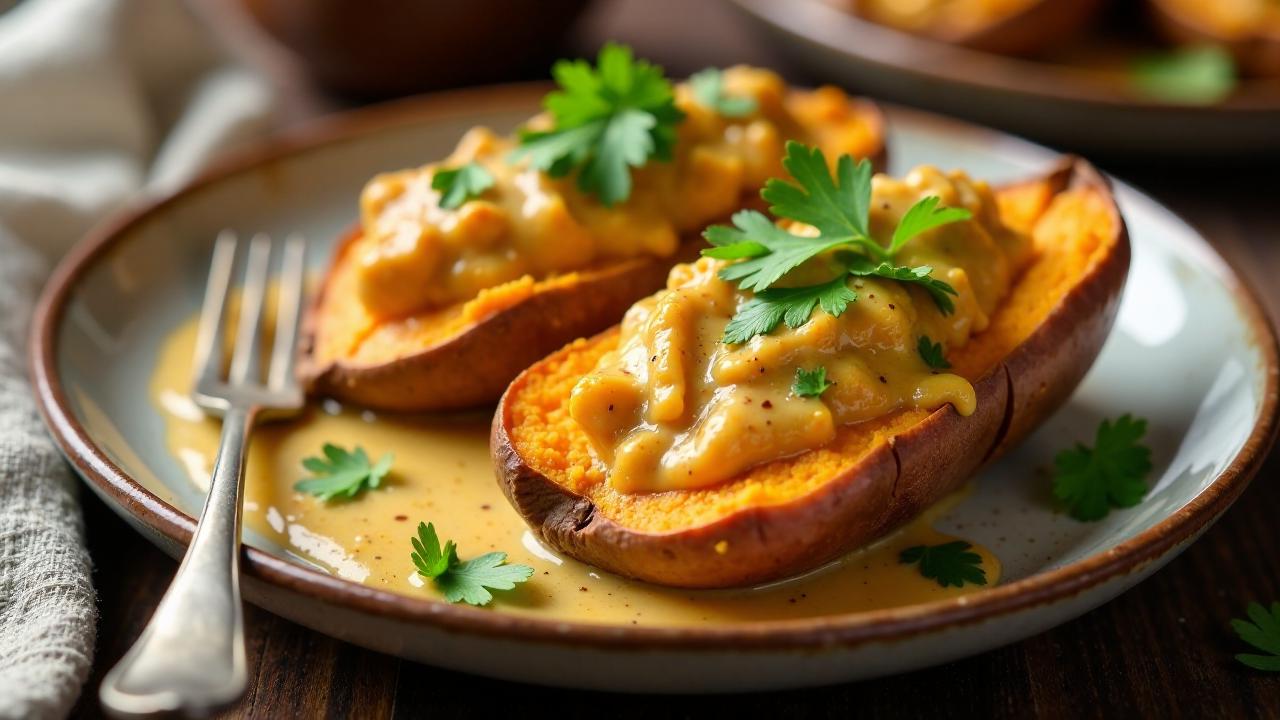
(890, 486)
(1257, 55)
(474, 367)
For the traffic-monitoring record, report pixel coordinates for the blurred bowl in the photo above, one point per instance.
(383, 48)
(1095, 110)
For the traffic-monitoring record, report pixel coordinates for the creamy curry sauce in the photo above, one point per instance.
(413, 254)
(675, 408)
(442, 474)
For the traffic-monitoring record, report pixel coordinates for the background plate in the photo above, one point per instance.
(1060, 104)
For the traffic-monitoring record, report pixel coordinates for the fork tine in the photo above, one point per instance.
(246, 360)
(289, 306)
(208, 360)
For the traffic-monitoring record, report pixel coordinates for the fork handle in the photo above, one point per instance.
(190, 658)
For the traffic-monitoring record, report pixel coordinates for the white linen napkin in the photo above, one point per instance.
(100, 101)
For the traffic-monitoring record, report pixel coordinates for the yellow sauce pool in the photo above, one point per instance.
(442, 474)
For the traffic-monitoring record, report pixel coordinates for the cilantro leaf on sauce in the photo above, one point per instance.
(460, 184)
(811, 383)
(468, 581)
(931, 353)
(342, 473)
(762, 313)
(949, 563)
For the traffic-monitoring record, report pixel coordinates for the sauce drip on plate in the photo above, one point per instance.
(442, 474)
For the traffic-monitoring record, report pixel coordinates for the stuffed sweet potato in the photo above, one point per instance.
(1007, 27)
(827, 467)
(1248, 29)
(464, 273)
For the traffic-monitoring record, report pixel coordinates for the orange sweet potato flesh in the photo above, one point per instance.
(791, 515)
(463, 355)
(466, 354)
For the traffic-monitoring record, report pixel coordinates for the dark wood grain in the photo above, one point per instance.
(1163, 649)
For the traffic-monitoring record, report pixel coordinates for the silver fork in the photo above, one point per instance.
(191, 658)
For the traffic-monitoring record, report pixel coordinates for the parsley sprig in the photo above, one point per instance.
(949, 563)
(343, 473)
(460, 184)
(932, 354)
(838, 207)
(607, 120)
(467, 581)
(1263, 633)
(762, 313)
(1091, 481)
(811, 383)
(708, 88)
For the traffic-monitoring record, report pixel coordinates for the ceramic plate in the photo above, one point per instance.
(1191, 351)
(1067, 105)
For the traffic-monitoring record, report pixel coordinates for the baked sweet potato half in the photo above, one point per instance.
(793, 514)
(1249, 30)
(1020, 28)
(463, 352)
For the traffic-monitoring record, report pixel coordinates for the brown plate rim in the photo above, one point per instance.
(821, 23)
(881, 626)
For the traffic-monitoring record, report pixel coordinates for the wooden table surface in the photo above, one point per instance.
(1163, 649)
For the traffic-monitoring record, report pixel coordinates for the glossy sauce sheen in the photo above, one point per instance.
(415, 254)
(676, 408)
(443, 474)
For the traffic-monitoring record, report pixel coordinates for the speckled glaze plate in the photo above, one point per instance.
(1192, 352)
(1067, 104)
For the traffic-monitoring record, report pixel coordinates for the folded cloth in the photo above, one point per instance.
(100, 101)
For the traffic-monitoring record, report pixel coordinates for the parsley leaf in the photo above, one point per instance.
(708, 88)
(608, 119)
(838, 207)
(931, 353)
(762, 313)
(466, 581)
(811, 383)
(1195, 75)
(460, 184)
(940, 291)
(922, 217)
(343, 473)
(771, 251)
(1263, 633)
(1091, 481)
(949, 564)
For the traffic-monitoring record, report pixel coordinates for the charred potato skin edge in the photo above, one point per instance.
(895, 483)
(474, 367)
